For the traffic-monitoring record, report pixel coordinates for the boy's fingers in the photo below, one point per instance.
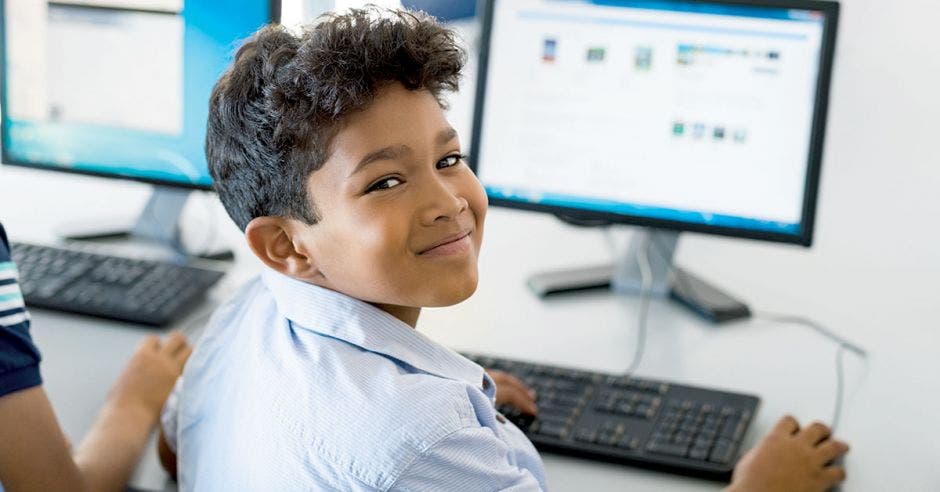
(150, 342)
(833, 475)
(528, 393)
(519, 385)
(183, 355)
(175, 342)
(831, 449)
(510, 379)
(786, 426)
(815, 433)
(504, 379)
(520, 400)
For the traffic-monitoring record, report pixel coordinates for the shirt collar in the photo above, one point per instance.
(337, 315)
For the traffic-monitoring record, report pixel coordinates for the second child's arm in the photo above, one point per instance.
(36, 454)
(115, 444)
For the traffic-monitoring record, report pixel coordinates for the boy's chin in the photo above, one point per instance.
(450, 295)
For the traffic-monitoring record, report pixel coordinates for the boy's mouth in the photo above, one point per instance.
(451, 244)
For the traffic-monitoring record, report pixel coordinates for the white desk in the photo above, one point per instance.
(890, 307)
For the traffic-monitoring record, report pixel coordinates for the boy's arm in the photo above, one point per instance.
(791, 459)
(469, 460)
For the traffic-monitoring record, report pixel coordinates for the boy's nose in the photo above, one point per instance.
(445, 204)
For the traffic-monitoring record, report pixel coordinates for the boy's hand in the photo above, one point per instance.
(791, 459)
(151, 373)
(511, 391)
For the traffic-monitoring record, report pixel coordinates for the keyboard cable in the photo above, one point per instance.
(842, 343)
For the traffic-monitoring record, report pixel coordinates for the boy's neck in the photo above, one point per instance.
(408, 315)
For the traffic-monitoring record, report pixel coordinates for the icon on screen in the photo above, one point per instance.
(595, 54)
(678, 128)
(643, 58)
(549, 50)
(719, 133)
(740, 136)
(698, 131)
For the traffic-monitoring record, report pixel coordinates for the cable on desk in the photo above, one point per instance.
(840, 388)
(646, 293)
(843, 345)
(809, 323)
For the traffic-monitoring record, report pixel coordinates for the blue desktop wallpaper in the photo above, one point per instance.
(209, 43)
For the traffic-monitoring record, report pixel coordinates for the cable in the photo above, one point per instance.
(209, 239)
(643, 261)
(840, 388)
(822, 330)
(843, 345)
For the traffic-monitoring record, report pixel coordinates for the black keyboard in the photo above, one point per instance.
(652, 424)
(139, 291)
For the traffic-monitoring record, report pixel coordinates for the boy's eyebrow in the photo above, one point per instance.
(395, 151)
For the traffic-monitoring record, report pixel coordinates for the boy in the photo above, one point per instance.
(330, 150)
(34, 453)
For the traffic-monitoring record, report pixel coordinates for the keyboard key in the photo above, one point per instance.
(629, 442)
(699, 453)
(659, 447)
(722, 451)
(585, 434)
(553, 430)
(608, 438)
(703, 442)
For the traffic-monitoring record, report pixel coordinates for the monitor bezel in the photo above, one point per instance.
(274, 15)
(817, 135)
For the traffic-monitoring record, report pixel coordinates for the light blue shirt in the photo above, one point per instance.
(296, 387)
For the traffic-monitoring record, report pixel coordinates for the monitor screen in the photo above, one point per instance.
(688, 115)
(117, 87)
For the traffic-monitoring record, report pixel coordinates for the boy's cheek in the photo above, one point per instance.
(478, 201)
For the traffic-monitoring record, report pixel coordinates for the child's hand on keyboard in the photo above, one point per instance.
(791, 459)
(513, 392)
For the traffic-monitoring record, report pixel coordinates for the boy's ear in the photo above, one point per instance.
(273, 241)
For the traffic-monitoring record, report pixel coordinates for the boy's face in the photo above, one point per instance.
(401, 213)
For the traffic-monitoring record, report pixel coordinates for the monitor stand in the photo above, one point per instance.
(625, 277)
(157, 224)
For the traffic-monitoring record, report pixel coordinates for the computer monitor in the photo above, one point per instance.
(118, 88)
(693, 115)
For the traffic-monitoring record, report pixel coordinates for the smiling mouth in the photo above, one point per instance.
(450, 245)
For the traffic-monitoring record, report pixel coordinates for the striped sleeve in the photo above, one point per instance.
(19, 357)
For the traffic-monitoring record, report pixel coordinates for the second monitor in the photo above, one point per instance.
(703, 116)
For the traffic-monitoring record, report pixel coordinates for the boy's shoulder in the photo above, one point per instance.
(336, 406)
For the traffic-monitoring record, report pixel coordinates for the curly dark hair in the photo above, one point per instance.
(273, 114)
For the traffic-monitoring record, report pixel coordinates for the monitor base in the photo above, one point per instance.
(691, 291)
(157, 224)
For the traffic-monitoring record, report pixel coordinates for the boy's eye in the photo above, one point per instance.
(451, 160)
(384, 184)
